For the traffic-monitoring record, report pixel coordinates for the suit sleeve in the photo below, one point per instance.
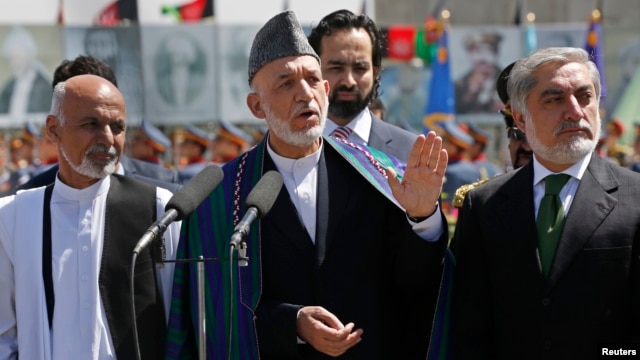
(471, 310)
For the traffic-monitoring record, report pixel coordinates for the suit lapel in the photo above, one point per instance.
(379, 137)
(518, 217)
(593, 202)
(322, 210)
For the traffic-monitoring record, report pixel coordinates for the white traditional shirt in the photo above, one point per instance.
(80, 329)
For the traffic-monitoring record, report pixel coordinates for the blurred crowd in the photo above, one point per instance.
(186, 149)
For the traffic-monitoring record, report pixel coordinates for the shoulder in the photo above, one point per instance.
(461, 192)
(483, 187)
(394, 130)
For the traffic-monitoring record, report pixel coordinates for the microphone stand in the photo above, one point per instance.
(202, 348)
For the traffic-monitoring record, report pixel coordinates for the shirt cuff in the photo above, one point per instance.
(431, 228)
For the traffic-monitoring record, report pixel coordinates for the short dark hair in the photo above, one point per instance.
(345, 20)
(83, 65)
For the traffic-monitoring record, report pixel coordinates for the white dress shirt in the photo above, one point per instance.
(568, 192)
(80, 329)
(361, 126)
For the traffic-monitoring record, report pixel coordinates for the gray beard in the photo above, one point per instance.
(90, 169)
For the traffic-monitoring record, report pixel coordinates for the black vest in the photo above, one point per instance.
(130, 210)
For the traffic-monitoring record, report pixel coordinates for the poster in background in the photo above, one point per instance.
(119, 47)
(179, 73)
(29, 57)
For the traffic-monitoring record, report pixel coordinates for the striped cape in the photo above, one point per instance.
(232, 293)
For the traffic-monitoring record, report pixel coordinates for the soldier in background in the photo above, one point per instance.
(149, 144)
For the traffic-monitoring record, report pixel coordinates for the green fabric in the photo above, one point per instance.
(550, 220)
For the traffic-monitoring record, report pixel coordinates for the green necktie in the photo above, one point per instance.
(550, 219)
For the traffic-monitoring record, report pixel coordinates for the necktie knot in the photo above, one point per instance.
(554, 183)
(341, 132)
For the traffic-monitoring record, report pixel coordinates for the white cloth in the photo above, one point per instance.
(80, 329)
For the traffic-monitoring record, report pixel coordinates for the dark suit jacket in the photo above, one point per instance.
(391, 139)
(504, 308)
(144, 171)
(376, 272)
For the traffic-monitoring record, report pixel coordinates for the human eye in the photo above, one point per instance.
(118, 127)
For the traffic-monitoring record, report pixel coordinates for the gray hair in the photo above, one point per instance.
(57, 100)
(522, 79)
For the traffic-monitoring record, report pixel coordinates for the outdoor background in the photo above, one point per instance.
(185, 61)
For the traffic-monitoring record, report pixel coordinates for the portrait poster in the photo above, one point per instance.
(119, 47)
(179, 73)
(478, 54)
(234, 44)
(30, 55)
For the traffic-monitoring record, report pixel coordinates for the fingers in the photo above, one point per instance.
(426, 151)
(325, 332)
(416, 151)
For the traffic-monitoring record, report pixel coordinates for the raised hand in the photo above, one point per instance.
(422, 182)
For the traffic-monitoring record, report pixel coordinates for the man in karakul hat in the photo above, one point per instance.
(343, 251)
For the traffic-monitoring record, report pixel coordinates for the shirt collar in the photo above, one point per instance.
(361, 125)
(91, 192)
(576, 170)
(286, 165)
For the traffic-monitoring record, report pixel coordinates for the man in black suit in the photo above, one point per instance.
(517, 293)
(350, 47)
(338, 267)
(144, 171)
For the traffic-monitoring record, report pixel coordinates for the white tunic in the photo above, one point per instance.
(80, 329)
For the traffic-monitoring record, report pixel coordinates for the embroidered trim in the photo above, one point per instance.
(236, 189)
(367, 153)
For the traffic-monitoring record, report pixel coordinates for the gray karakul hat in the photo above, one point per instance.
(280, 37)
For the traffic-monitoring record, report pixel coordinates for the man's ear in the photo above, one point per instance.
(254, 102)
(52, 127)
(518, 118)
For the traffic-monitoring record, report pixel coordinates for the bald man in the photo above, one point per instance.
(65, 249)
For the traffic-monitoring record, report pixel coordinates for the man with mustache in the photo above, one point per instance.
(547, 262)
(347, 262)
(350, 49)
(66, 249)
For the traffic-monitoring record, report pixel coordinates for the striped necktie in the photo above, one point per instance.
(341, 132)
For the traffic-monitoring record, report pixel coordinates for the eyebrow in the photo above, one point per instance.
(558, 91)
(342, 63)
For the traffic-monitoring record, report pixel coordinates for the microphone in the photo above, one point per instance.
(259, 202)
(183, 202)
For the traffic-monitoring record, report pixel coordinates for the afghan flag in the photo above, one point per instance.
(401, 43)
(441, 103)
(427, 40)
(594, 48)
(116, 12)
(193, 11)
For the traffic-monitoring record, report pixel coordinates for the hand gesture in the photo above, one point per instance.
(322, 330)
(422, 182)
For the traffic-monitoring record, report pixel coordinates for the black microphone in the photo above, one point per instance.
(183, 202)
(259, 202)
